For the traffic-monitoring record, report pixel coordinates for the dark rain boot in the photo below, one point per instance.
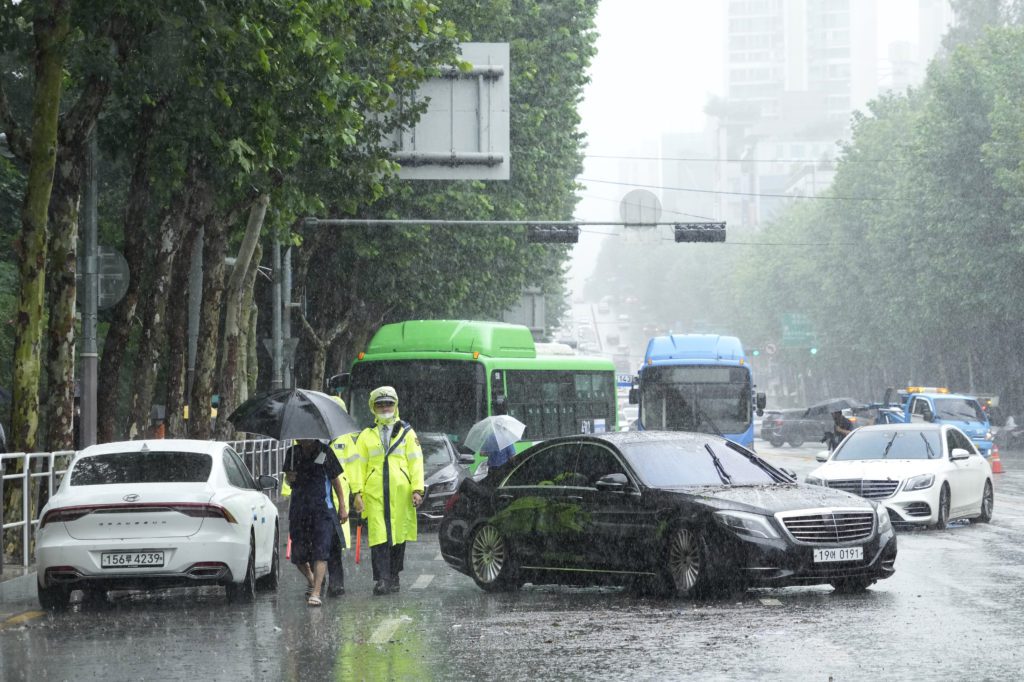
(381, 587)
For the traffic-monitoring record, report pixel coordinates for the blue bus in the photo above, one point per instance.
(697, 382)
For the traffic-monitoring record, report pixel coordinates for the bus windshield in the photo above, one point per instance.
(696, 398)
(433, 395)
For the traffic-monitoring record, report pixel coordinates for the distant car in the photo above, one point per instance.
(681, 513)
(803, 425)
(443, 471)
(924, 474)
(791, 426)
(157, 513)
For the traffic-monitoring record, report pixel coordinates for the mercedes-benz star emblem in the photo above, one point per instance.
(130, 498)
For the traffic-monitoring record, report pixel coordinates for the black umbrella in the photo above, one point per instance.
(293, 413)
(834, 405)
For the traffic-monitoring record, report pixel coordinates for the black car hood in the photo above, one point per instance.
(780, 497)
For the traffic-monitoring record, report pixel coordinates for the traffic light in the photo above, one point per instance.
(814, 351)
(553, 234)
(755, 352)
(699, 232)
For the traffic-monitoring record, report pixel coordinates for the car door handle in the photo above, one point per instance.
(574, 498)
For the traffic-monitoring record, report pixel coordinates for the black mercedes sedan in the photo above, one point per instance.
(685, 514)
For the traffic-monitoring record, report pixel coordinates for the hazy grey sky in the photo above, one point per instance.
(657, 63)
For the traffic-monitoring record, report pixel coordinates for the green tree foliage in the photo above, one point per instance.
(203, 107)
(380, 275)
(906, 268)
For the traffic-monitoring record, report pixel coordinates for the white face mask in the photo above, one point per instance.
(390, 414)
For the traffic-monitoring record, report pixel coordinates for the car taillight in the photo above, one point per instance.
(451, 503)
(64, 514)
(204, 511)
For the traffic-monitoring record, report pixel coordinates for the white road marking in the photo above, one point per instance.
(422, 581)
(386, 630)
(770, 602)
(439, 557)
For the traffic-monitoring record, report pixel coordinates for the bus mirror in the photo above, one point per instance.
(338, 384)
(500, 405)
(634, 397)
(760, 400)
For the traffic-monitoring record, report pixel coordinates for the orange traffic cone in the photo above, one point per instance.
(997, 466)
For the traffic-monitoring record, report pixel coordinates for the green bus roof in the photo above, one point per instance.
(493, 339)
(500, 345)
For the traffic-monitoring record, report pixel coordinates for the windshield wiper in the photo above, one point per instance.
(885, 453)
(927, 445)
(722, 473)
(703, 417)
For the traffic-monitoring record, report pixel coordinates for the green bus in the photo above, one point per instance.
(450, 374)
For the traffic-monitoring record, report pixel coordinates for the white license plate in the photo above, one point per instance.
(131, 559)
(838, 554)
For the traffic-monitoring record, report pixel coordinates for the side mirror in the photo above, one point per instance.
(267, 483)
(634, 396)
(760, 400)
(612, 483)
(959, 453)
(338, 384)
(466, 458)
(500, 405)
(822, 456)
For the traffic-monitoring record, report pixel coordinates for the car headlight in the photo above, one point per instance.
(988, 435)
(747, 524)
(445, 486)
(884, 522)
(919, 482)
(814, 480)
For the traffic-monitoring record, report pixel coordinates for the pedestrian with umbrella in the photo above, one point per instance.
(387, 487)
(312, 470)
(495, 437)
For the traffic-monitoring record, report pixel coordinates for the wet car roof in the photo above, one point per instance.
(915, 426)
(633, 437)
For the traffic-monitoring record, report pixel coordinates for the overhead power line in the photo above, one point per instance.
(741, 194)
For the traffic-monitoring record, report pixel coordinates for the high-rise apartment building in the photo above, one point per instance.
(796, 70)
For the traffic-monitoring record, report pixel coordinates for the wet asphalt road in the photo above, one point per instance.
(953, 611)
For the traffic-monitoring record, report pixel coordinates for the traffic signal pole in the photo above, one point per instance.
(541, 231)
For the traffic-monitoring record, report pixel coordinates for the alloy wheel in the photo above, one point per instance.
(684, 561)
(488, 554)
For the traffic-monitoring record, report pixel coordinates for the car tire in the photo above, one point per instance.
(943, 514)
(776, 442)
(988, 504)
(270, 581)
(53, 598)
(244, 591)
(686, 564)
(490, 560)
(796, 442)
(852, 585)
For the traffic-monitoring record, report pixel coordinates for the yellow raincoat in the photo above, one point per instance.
(402, 469)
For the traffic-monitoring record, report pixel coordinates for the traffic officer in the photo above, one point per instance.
(388, 487)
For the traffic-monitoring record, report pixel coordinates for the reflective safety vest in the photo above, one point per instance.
(390, 515)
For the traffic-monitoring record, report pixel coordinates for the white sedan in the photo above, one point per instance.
(153, 514)
(924, 474)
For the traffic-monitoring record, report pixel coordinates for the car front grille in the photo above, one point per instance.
(874, 490)
(834, 527)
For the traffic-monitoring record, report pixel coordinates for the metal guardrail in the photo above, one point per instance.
(262, 456)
